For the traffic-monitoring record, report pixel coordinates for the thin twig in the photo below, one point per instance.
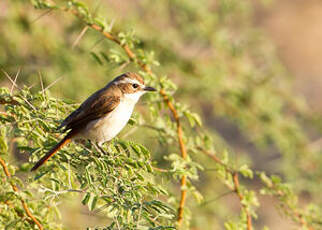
(241, 198)
(160, 169)
(216, 159)
(216, 198)
(79, 37)
(23, 98)
(12, 81)
(16, 77)
(153, 128)
(15, 188)
(41, 83)
(96, 43)
(53, 83)
(15, 85)
(41, 15)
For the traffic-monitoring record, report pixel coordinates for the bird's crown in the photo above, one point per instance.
(130, 83)
(129, 78)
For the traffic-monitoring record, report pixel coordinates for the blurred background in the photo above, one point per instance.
(294, 27)
(252, 69)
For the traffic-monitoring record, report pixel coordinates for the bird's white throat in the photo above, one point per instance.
(133, 97)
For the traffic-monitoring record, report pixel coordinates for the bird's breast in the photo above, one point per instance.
(107, 127)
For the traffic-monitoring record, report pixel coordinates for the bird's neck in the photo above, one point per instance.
(132, 98)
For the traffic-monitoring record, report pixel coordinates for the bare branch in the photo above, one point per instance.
(41, 15)
(41, 83)
(53, 83)
(79, 37)
(15, 81)
(9, 78)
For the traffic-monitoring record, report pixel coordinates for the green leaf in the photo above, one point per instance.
(132, 121)
(3, 141)
(246, 171)
(267, 181)
(97, 58)
(92, 203)
(86, 198)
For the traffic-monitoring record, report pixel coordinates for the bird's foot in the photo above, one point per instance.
(99, 149)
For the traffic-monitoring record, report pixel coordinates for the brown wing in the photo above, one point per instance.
(98, 105)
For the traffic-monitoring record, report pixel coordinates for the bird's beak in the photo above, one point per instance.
(148, 88)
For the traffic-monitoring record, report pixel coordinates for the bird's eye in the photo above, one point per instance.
(135, 86)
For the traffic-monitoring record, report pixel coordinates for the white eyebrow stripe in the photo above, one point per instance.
(132, 81)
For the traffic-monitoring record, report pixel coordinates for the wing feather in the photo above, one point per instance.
(96, 106)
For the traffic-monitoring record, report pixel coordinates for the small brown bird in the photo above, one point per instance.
(103, 115)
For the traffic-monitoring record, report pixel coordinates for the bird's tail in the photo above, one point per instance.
(54, 150)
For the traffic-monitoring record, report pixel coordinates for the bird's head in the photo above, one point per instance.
(132, 85)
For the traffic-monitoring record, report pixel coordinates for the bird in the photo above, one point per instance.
(103, 114)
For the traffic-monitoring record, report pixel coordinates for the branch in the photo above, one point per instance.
(298, 217)
(10, 101)
(216, 159)
(236, 188)
(15, 188)
(183, 151)
(241, 198)
(237, 191)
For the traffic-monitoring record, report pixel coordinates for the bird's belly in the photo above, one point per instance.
(106, 128)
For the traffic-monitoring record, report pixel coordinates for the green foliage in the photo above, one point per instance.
(219, 65)
(120, 184)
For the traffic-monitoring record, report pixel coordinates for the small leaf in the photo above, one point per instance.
(86, 198)
(3, 142)
(132, 121)
(92, 203)
(97, 58)
(246, 171)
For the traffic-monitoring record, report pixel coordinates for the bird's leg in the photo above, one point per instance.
(101, 149)
(98, 148)
(85, 144)
(91, 150)
(106, 152)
